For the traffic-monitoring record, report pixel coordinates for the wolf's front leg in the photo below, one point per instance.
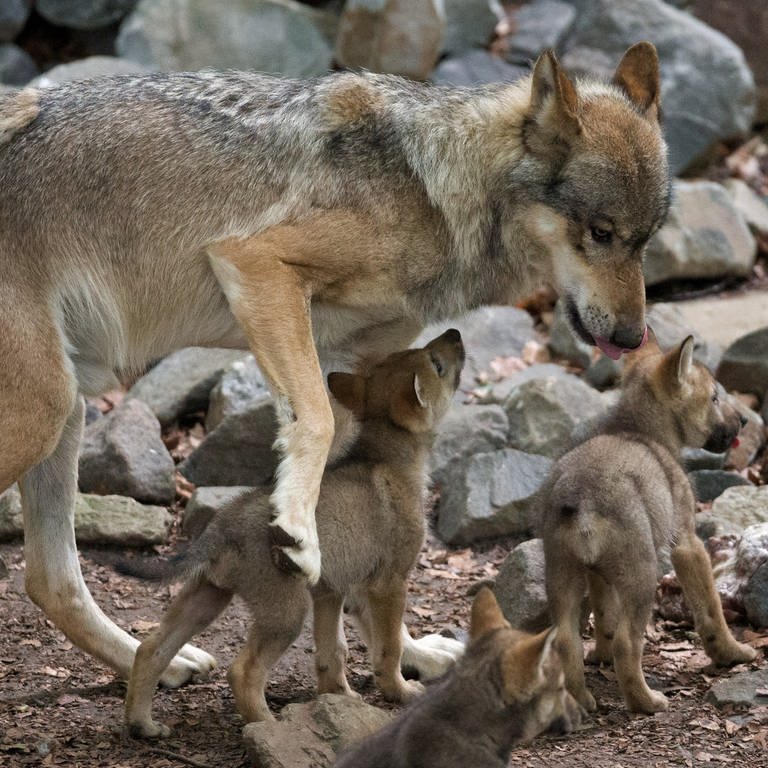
(271, 301)
(53, 577)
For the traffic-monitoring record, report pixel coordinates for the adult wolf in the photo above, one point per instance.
(320, 223)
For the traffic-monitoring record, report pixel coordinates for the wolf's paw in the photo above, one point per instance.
(190, 663)
(402, 691)
(648, 703)
(147, 730)
(727, 655)
(586, 700)
(599, 656)
(431, 656)
(295, 549)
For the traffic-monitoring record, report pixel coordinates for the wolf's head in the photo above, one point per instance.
(595, 173)
(413, 389)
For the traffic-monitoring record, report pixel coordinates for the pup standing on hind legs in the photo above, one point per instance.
(370, 520)
(616, 500)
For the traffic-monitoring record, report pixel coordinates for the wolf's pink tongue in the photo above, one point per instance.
(612, 350)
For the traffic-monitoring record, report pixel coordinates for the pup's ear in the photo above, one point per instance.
(526, 662)
(408, 407)
(554, 102)
(638, 76)
(486, 615)
(349, 390)
(676, 364)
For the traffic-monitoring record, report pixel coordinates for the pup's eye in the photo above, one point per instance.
(600, 235)
(437, 364)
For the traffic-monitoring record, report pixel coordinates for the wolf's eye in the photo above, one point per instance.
(715, 399)
(437, 364)
(600, 235)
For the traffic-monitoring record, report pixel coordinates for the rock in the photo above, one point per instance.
(563, 342)
(17, 67)
(751, 438)
(750, 205)
(752, 566)
(309, 735)
(276, 36)
(544, 412)
(520, 587)
(3, 569)
(671, 327)
(604, 373)
(708, 484)
(469, 24)
(708, 92)
(239, 451)
(491, 495)
(204, 504)
(744, 366)
(399, 37)
(112, 520)
(476, 68)
(697, 458)
(464, 431)
(538, 25)
(740, 690)
(744, 22)
(76, 14)
(13, 17)
(500, 392)
(709, 525)
(240, 384)
(182, 382)
(82, 69)
(122, 453)
(742, 506)
(704, 237)
(755, 595)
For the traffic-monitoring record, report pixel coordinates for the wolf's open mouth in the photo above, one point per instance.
(605, 346)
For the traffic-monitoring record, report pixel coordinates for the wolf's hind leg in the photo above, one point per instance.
(605, 609)
(331, 655)
(694, 571)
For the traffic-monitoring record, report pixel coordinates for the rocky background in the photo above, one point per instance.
(160, 456)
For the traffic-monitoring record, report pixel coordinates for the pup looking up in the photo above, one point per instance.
(615, 501)
(508, 687)
(371, 525)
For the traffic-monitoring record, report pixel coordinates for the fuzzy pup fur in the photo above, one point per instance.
(320, 223)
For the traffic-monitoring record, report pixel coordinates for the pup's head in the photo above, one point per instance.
(533, 681)
(597, 162)
(696, 402)
(413, 389)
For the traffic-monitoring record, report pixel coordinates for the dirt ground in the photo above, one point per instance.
(60, 708)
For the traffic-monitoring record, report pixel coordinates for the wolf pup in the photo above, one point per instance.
(319, 223)
(615, 501)
(508, 687)
(370, 519)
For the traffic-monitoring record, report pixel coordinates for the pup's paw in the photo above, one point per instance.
(586, 700)
(648, 703)
(599, 655)
(431, 656)
(401, 691)
(730, 653)
(147, 730)
(295, 548)
(190, 663)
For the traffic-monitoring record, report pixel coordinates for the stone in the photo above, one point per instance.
(17, 67)
(82, 69)
(499, 392)
(520, 587)
(755, 595)
(13, 17)
(240, 384)
(704, 236)
(100, 520)
(670, 327)
(740, 690)
(751, 438)
(708, 484)
(309, 735)
(476, 68)
(239, 451)
(708, 91)
(750, 205)
(544, 412)
(122, 453)
(469, 24)
(275, 36)
(76, 14)
(537, 25)
(464, 431)
(204, 503)
(742, 506)
(182, 382)
(398, 37)
(697, 458)
(491, 495)
(563, 341)
(604, 373)
(744, 365)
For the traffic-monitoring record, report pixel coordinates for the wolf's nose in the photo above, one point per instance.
(628, 338)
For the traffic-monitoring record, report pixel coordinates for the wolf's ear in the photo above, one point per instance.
(638, 76)
(486, 615)
(554, 101)
(349, 390)
(525, 664)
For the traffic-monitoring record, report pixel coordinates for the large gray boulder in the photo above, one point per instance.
(476, 67)
(708, 91)
(537, 25)
(275, 36)
(520, 587)
(469, 24)
(122, 453)
(742, 506)
(744, 365)
(741, 690)
(13, 17)
(239, 386)
(80, 14)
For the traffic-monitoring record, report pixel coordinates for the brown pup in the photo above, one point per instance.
(508, 687)
(615, 501)
(322, 224)
(370, 520)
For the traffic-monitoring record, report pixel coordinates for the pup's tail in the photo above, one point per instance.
(581, 522)
(17, 112)
(180, 566)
